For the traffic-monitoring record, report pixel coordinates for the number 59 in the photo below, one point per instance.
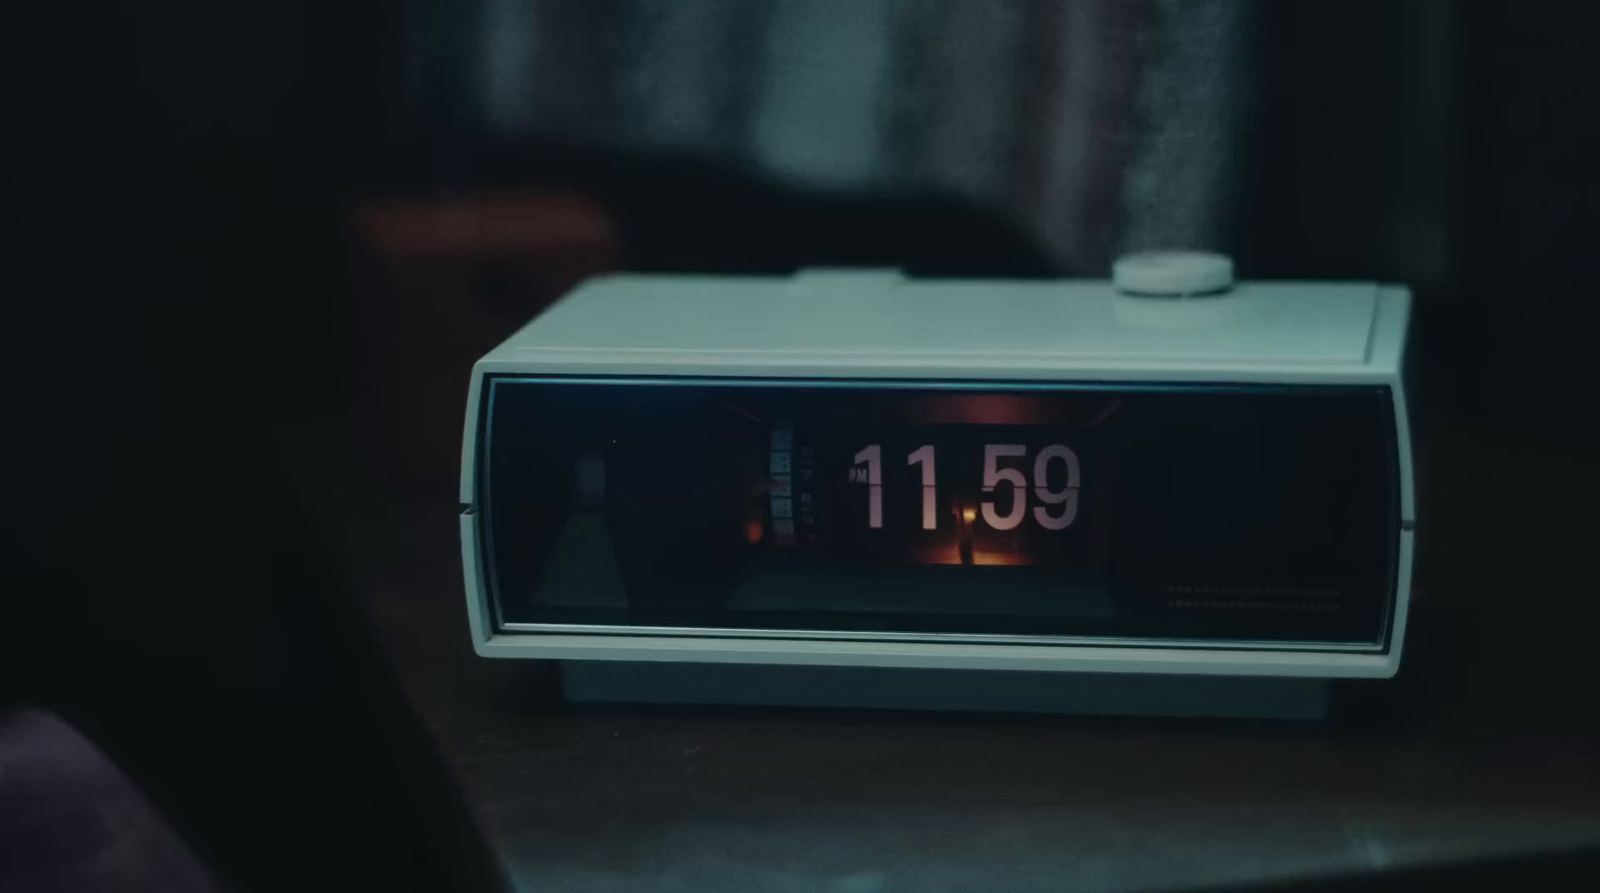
(1066, 497)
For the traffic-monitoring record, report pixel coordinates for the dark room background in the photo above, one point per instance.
(227, 219)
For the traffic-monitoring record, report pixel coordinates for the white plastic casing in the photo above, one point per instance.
(872, 324)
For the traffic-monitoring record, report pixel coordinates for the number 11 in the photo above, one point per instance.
(872, 456)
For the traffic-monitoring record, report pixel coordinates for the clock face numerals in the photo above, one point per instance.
(1007, 491)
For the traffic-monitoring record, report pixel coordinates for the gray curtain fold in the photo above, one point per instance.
(1096, 126)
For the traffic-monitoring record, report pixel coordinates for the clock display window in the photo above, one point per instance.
(818, 508)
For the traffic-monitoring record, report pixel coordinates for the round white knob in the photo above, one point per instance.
(1172, 273)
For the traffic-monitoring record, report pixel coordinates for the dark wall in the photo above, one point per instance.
(178, 272)
(1527, 203)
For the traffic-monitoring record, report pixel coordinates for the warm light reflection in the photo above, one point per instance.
(982, 409)
(951, 554)
(1000, 559)
(969, 515)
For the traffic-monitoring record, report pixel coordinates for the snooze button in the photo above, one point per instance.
(1172, 274)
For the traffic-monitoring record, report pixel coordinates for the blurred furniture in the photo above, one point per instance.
(452, 276)
(70, 822)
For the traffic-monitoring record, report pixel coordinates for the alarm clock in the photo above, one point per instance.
(1166, 474)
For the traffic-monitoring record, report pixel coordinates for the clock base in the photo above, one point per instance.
(1090, 694)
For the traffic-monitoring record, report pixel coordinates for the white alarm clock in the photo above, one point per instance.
(1169, 473)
